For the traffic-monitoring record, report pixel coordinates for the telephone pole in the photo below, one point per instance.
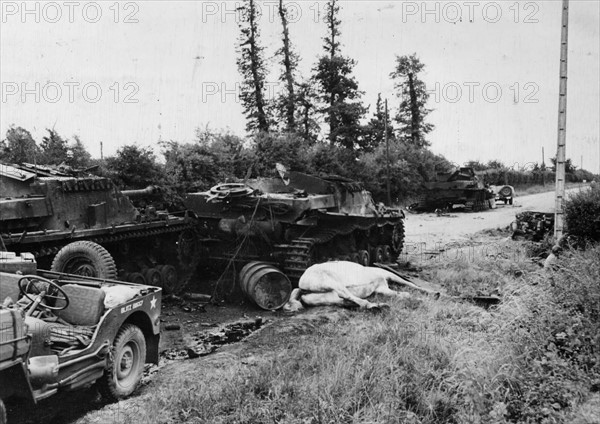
(543, 168)
(562, 125)
(387, 158)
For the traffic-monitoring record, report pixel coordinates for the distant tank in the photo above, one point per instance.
(292, 222)
(461, 188)
(83, 224)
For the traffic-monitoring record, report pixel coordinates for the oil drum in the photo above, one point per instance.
(265, 285)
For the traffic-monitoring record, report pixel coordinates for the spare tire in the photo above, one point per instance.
(85, 258)
(506, 191)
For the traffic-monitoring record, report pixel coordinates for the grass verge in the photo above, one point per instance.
(534, 358)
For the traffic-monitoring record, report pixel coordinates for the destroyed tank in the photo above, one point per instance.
(292, 222)
(461, 188)
(78, 223)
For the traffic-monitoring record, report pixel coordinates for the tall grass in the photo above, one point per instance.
(534, 358)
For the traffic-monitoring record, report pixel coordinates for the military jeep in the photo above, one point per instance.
(64, 332)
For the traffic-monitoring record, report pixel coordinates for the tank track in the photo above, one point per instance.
(299, 254)
(44, 251)
(479, 204)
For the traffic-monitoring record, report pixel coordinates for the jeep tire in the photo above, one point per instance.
(2, 413)
(85, 258)
(125, 365)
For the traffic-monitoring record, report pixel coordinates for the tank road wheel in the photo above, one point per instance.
(85, 258)
(398, 238)
(125, 364)
(355, 257)
(169, 278)
(378, 255)
(364, 257)
(137, 278)
(387, 254)
(153, 277)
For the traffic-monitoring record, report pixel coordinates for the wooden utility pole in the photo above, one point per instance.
(387, 154)
(562, 125)
(101, 151)
(543, 168)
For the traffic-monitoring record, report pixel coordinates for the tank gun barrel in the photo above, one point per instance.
(141, 192)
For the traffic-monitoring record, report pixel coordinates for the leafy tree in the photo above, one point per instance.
(338, 88)
(495, 164)
(214, 157)
(476, 165)
(289, 60)
(19, 146)
(375, 130)
(413, 97)
(78, 156)
(286, 149)
(55, 149)
(231, 156)
(325, 159)
(251, 66)
(410, 167)
(569, 167)
(134, 167)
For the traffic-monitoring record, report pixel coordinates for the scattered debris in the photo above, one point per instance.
(198, 297)
(205, 343)
(533, 226)
(172, 327)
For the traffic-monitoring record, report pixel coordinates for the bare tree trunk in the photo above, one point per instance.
(289, 76)
(263, 123)
(414, 111)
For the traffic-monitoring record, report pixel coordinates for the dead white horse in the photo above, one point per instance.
(343, 283)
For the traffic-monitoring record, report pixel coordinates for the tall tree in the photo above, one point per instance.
(19, 146)
(252, 68)
(55, 149)
(289, 61)
(338, 88)
(413, 99)
(374, 131)
(306, 109)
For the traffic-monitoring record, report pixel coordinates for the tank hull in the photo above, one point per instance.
(293, 222)
(43, 210)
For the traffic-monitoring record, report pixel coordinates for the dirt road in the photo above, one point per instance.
(432, 230)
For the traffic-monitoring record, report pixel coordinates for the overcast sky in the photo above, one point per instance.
(138, 72)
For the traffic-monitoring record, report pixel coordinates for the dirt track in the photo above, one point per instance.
(436, 230)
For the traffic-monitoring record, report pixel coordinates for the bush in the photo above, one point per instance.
(582, 215)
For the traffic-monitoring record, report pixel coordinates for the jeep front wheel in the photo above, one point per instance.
(2, 413)
(125, 365)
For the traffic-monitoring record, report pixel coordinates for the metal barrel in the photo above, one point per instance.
(265, 285)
